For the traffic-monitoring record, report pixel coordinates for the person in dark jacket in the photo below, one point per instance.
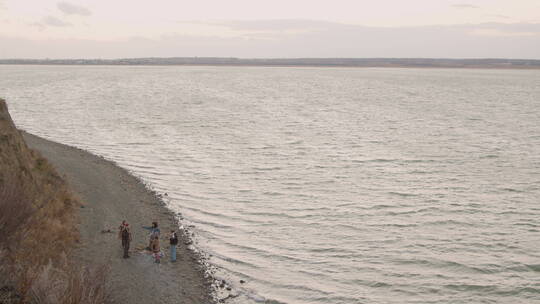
(173, 240)
(125, 234)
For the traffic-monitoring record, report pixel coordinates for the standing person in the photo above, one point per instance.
(173, 240)
(126, 239)
(154, 231)
(156, 251)
(120, 228)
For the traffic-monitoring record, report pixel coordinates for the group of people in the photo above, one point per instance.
(124, 233)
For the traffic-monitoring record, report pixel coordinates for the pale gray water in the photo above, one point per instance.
(321, 185)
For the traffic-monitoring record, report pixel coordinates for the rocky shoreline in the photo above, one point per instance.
(111, 194)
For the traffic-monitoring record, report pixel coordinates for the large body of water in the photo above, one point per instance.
(322, 185)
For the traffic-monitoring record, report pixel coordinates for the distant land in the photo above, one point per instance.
(308, 62)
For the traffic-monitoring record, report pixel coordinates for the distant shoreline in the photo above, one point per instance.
(521, 64)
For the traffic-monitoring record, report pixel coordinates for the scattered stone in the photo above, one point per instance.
(9, 294)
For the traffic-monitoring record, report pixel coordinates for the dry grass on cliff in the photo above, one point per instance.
(69, 284)
(38, 228)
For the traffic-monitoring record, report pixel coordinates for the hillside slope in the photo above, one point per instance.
(38, 223)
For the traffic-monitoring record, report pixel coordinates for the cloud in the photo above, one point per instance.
(73, 9)
(276, 24)
(501, 16)
(272, 26)
(464, 6)
(51, 21)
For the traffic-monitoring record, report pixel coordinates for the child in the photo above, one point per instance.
(156, 251)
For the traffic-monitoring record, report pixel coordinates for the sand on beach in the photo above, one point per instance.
(109, 195)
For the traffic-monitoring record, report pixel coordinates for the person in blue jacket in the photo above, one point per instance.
(154, 233)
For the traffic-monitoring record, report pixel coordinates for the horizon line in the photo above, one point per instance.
(273, 58)
(475, 63)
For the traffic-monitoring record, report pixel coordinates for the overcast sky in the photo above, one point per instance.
(270, 28)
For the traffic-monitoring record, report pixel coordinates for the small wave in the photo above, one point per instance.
(512, 190)
(381, 206)
(261, 299)
(533, 267)
(133, 144)
(523, 291)
(448, 222)
(471, 287)
(341, 227)
(376, 160)
(527, 224)
(234, 261)
(280, 215)
(403, 194)
(414, 161)
(445, 264)
(211, 224)
(328, 249)
(297, 142)
(190, 195)
(379, 284)
(258, 251)
(394, 225)
(420, 172)
(397, 213)
(489, 156)
(267, 168)
(272, 193)
(422, 210)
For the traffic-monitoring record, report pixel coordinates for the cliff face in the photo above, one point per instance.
(17, 162)
(37, 211)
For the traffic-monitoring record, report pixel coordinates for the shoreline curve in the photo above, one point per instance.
(109, 195)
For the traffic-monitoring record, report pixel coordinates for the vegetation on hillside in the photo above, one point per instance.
(38, 229)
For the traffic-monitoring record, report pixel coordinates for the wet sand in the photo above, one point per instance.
(109, 195)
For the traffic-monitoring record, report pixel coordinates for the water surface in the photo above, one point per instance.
(322, 185)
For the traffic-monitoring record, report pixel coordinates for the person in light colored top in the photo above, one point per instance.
(156, 250)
